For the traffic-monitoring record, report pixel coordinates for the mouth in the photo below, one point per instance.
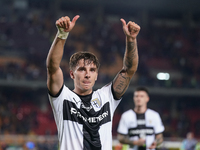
(86, 82)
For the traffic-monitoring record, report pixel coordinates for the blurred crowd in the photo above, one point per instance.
(27, 111)
(25, 38)
(30, 142)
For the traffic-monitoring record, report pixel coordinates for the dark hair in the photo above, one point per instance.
(87, 56)
(142, 89)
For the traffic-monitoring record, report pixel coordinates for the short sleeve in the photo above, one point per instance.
(159, 127)
(122, 128)
(107, 92)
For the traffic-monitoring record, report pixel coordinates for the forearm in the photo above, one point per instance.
(130, 63)
(131, 56)
(159, 139)
(125, 140)
(55, 54)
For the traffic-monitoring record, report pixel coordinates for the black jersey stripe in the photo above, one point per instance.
(141, 125)
(90, 120)
(138, 131)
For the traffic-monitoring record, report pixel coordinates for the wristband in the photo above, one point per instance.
(62, 34)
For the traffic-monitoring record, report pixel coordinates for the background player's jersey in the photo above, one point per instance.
(81, 126)
(137, 126)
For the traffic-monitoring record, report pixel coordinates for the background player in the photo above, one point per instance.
(141, 128)
(83, 116)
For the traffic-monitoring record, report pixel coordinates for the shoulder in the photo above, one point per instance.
(151, 111)
(105, 92)
(105, 87)
(128, 112)
(64, 91)
(152, 114)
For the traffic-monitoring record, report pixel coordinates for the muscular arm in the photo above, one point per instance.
(54, 72)
(130, 60)
(125, 140)
(159, 139)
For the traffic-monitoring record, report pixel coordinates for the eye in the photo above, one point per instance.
(81, 69)
(93, 69)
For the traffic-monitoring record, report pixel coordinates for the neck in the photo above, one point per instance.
(140, 109)
(79, 92)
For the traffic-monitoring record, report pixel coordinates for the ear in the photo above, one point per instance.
(148, 99)
(71, 74)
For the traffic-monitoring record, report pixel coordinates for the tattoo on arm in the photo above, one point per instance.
(159, 139)
(131, 49)
(125, 140)
(122, 85)
(121, 82)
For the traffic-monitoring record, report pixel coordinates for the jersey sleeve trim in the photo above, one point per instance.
(158, 133)
(57, 93)
(122, 133)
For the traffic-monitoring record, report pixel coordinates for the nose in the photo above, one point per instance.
(87, 75)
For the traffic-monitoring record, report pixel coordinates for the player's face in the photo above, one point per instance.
(84, 75)
(140, 98)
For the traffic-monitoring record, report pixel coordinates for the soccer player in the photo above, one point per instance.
(141, 128)
(83, 116)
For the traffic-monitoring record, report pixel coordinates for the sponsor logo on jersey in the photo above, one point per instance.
(89, 119)
(138, 132)
(83, 116)
(142, 131)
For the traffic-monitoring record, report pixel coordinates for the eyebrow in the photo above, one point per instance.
(83, 67)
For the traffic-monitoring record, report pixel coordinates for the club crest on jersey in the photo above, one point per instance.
(96, 102)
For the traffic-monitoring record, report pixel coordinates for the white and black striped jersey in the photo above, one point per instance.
(84, 122)
(137, 126)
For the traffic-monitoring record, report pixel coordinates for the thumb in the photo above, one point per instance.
(123, 21)
(75, 18)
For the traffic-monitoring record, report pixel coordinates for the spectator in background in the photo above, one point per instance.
(189, 143)
(141, 128)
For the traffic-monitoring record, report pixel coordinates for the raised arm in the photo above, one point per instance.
(130, 60)
(54, 72)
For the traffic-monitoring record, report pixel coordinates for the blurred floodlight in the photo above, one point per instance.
(163, 76)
